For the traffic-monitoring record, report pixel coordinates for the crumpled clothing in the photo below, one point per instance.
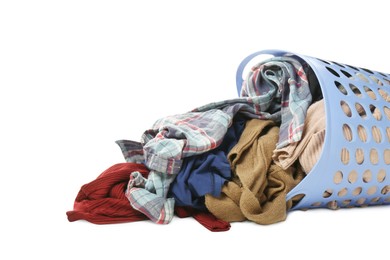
(205, 218)
(276, 89)
(259, 187)
(103, 201)
(206, 173)
(147, 196)
(164, 146)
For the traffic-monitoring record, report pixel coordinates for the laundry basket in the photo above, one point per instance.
(354, 168)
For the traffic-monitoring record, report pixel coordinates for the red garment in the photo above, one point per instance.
(206, 219)
(103, 200)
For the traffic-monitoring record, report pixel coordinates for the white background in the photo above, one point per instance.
(77, 75)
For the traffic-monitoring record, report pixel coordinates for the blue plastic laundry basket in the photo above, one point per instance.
(362, 177)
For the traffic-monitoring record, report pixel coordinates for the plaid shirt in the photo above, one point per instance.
(276, 89)
(170, 139)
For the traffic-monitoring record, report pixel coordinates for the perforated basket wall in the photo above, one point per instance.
(354, 167)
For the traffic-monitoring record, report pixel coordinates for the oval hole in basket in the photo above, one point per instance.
(332, 71)
(347, 132)
(342, 192)
(346, 109)
(372, 190)
(386, 200)
(360, 201)
(375, 200)
(324, 61)
(352, 67)
(386, 156)
(316, 204)
(367, 176)
(385, 189)
(367, 70)
(355, 90)
(341, 88)
(387, 112)
(338, 64)
(376, 80)
(357, 191)
(346, 73)
(346, 202)
(359, 156)
(360, 76)
(338, 177)
(369, 92)
(376, 113)
(327, 193)
(388, 133)
(374, 157)
(345, 156)
(362, 133)
(352, 176)
(386, 81)
(384, 94)
(360, 110)
(381, 176)
(332, 204)
(376, 134)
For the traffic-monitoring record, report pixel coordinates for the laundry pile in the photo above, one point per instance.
(226, 161)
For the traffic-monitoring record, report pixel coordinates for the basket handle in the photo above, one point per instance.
(245, 62)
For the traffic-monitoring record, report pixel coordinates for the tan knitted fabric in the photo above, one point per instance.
(259, 187)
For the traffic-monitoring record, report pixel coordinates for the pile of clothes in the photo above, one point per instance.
(223, 162)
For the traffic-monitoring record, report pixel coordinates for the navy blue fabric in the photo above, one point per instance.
(206, 173)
